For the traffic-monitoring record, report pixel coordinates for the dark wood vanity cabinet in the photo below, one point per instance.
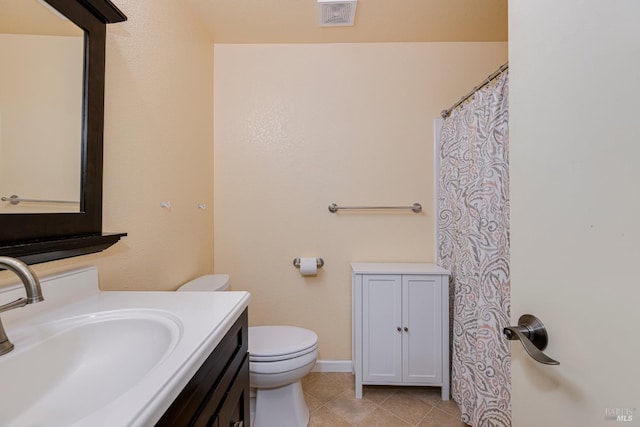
(218, 394)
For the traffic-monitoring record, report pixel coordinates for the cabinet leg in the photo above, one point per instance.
(445, 391)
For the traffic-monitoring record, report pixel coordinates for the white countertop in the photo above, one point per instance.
(397, 268)
(204, 318)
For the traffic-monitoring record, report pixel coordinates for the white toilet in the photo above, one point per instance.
(279, 356)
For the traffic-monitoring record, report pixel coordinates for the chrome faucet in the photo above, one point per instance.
(31, 285)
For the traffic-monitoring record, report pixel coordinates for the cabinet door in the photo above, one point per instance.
(381, 339)
(235, 409)
(422, 318)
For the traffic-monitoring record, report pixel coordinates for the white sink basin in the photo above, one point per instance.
(68, 369)
(86, 358)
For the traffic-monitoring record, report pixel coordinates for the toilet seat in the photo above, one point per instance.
(283, 367)
(280, 343)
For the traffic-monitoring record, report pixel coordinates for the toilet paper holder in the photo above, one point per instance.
(319, 262)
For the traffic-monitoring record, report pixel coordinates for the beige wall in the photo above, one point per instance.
(158, 146)
(298, 127)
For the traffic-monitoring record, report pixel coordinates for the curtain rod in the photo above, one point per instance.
(447, 113)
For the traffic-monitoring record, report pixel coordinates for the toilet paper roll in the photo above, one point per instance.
(308, 266)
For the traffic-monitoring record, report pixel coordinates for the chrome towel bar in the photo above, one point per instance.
(14, 200)
(416, 207)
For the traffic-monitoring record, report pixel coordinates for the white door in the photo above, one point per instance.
(382, 329)
(422, 329)
(575, 208)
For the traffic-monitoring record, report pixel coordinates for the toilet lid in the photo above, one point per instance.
(273, 343)
(208, 282)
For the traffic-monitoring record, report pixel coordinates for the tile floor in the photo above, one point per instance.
(332, 403)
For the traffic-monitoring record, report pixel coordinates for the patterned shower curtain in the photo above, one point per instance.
(473, 243)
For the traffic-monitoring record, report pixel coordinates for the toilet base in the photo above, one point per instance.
(281, 406)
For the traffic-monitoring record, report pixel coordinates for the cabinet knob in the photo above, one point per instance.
(399, 329)
(406, 329)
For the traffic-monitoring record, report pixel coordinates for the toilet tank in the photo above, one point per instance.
(209, 282)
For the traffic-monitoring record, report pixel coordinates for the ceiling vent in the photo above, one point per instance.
(333, 13)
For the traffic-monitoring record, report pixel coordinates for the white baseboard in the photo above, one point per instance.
(333, 366)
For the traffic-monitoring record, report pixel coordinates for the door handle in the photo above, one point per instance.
(533, 336)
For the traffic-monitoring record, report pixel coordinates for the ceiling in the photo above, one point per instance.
(295, 21)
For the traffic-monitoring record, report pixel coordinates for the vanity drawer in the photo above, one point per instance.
(201, 399)
(234, 411)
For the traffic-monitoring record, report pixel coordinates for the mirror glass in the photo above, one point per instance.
(41, 109)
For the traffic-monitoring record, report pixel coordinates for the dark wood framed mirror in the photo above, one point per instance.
(43, 236)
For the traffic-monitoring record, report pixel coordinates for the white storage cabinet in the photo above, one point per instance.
(400, 325)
